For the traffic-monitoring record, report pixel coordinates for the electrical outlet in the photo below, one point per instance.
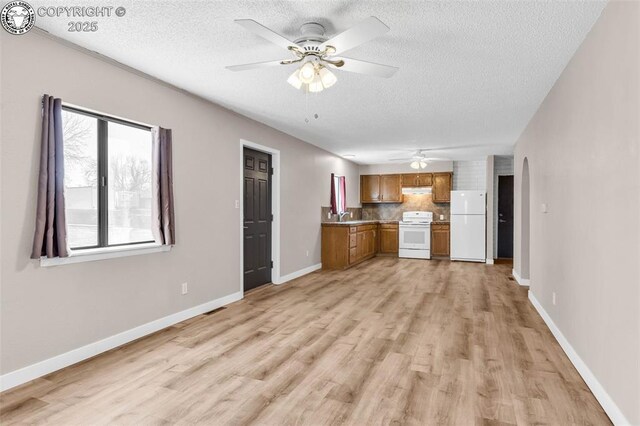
(553, 297)
(307, 253)
(237, 204)
(351, 215)
(329, 215)
(543, 207)
(185, 288)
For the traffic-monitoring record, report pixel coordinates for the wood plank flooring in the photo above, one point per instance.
(391, 341)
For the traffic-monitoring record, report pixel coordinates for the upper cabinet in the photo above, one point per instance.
(370, 188)
(442, 184)
(416, 180)
(380, 189)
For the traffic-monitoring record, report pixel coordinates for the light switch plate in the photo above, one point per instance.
(543, 208)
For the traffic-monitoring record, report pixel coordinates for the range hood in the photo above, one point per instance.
(417, 191)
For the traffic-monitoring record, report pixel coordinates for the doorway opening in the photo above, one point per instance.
(505, 217)
(525, 213)
(259, 216)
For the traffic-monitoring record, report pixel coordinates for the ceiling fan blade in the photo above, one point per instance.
(400, 159)
(265, 33)
(366, 30)
(256, 65)
(364, 67)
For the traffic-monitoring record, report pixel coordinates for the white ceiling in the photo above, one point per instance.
(472, 73)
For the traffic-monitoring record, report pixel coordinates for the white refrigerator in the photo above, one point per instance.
(468, 226)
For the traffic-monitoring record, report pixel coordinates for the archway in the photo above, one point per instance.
(525, 212)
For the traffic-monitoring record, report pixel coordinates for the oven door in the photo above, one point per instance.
(415, 237)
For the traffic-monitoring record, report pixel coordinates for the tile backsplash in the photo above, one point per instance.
(357, 214)
(412, 202)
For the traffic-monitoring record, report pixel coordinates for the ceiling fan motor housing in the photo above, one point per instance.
(312, 36)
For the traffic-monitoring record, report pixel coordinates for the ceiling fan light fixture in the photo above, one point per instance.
(423, 164)
(294, 79)
(307, 73)
(328, 78)
(415, 165)
(316, 85)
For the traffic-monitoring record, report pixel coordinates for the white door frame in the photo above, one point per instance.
(275, 209)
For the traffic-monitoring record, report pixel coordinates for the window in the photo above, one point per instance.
(107, 180)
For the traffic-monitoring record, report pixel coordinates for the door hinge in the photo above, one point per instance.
(272, 217)
(271, 171)
(272, 264)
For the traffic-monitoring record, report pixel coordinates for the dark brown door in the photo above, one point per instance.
(505, 216)
(257, 218)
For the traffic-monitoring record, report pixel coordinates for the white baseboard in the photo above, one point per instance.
(489, 261)
(298, 274)
(609, 406)
(519, 279)
(42, 368)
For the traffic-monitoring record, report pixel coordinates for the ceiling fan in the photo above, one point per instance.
(419, 159)
(317, 54)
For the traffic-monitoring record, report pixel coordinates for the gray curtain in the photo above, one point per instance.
(50, 238)
(163, 216)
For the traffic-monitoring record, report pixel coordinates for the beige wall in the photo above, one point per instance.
(583, 152)
(48, 311)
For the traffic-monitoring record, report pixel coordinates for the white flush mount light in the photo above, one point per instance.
(417, 165)
(312, 77)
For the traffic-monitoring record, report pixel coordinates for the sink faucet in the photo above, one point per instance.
(341, 215)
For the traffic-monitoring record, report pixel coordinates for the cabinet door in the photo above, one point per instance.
(389, 240)
(409, 180)
(425, 179)
(390, 188)
(370, 188)
(373, 245)
(361, 245)
(440, 240)
(441, 187)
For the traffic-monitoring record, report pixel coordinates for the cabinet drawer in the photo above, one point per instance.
(353, 255)
(440, 226)
(362, 228)
(353, 229)
(388, 226)
(353, 238)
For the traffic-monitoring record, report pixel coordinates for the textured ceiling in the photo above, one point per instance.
(471, 74)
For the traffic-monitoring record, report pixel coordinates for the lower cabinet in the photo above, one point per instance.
(440, 236)
(344, 246)
(388, 238)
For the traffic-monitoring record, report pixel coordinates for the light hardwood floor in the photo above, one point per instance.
(392, 341)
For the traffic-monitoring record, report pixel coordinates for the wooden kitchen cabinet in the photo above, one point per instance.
(380, 189)
(388, 239)
(344, 246)
(441, 189)
(370, 188)
(440, 237)
(416, 180)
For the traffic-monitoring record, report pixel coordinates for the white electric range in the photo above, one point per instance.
(415, 235)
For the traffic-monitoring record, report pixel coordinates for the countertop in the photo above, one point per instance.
(358, 222)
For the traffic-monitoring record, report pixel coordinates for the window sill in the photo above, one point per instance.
(90, 255)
